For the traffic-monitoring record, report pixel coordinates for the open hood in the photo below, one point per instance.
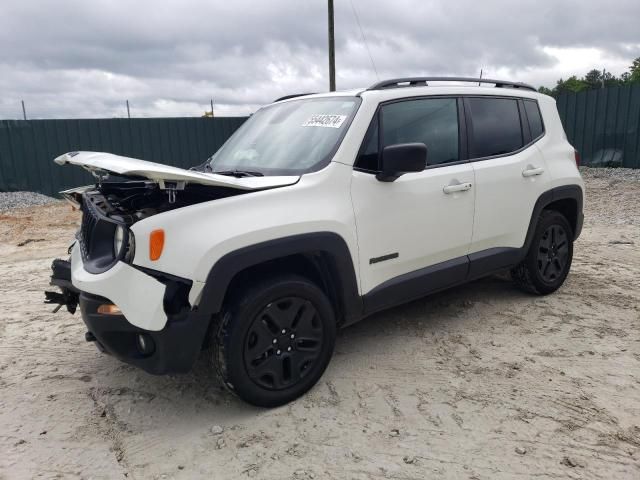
(97, 162)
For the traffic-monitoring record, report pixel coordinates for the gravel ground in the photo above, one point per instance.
(622, 174)
(12, 200)
(479, 382)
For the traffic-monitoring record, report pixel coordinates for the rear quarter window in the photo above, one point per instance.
(534, 117)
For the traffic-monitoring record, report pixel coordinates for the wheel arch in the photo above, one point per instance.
(324, 257)
(566, 199)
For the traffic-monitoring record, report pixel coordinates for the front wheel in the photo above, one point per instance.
(275, 340)
(548, 260)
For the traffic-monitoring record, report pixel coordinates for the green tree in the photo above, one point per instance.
(634, 71)
(571, 84)
(546, 91)
(593, 78)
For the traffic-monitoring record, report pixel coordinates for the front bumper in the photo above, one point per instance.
(174, 349)
(139, 295)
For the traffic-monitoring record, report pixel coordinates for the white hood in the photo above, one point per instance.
(126, 166)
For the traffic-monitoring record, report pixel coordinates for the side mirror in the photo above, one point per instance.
(402, 158)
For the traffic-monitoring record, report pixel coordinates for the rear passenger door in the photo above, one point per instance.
(510, 172)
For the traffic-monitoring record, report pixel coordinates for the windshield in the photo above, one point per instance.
(289, 138)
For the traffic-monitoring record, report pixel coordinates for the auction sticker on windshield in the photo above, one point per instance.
(321, 120)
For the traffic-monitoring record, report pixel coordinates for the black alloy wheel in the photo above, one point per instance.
(553, 252)
(548, 260)
(283, 343)
(274, 339)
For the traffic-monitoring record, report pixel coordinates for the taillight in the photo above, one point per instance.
(577, 156)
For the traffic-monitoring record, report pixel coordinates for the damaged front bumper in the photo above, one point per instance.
(174, 349)
(157, 330)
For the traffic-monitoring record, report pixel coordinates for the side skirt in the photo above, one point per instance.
(441, 276)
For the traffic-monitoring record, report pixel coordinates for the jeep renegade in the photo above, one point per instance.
(318, 211)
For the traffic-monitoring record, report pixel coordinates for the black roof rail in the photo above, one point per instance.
(423, 81)
(287, 97)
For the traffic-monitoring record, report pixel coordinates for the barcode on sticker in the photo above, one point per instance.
(330, 121)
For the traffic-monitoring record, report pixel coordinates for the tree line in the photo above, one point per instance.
(595, 79)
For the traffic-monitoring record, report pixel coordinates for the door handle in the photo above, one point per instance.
(531, 171)
(457, 187)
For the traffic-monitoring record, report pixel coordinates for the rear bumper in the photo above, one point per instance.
(174, 349)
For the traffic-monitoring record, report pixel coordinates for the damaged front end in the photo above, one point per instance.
(68, 296)
(138, 315)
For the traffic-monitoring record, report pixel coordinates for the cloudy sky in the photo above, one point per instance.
(84, 58)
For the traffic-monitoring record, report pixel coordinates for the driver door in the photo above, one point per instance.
(413, 233)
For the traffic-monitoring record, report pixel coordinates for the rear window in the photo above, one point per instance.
(534, 117)
(496, 126)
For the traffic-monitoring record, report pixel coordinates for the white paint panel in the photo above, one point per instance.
(155, 171)
(412, 217)
(138, 295)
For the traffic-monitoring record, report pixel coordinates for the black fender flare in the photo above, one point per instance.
(573, 192)
(331, 245)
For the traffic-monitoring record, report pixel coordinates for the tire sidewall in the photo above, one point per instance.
(239, 318)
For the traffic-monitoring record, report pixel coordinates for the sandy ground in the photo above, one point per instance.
(480, 382)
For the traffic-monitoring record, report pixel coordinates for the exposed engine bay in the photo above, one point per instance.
(131, 201)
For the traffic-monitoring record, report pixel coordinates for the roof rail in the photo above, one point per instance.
(287, 97)
(423, 81)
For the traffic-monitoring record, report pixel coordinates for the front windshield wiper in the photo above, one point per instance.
(239, 173)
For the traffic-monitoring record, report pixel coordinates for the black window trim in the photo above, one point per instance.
(463, 142)
(524, 125)
(465, 128)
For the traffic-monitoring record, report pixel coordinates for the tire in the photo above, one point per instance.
(274, 340)
(548, 260)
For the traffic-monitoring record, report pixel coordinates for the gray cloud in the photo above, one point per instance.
(83, 59)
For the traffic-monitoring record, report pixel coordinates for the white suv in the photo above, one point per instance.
(320, 210)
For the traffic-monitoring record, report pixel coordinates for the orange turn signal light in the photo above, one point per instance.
(156, 244)
(109, 309)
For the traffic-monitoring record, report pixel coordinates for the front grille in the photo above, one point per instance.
(96, 233)
(90, 219)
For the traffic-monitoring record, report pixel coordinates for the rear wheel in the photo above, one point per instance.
(548, 261)
(275, 340)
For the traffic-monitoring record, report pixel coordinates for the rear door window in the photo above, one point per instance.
(496, 126)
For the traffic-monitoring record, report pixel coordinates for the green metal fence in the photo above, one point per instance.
(28, 147)
(604, 125)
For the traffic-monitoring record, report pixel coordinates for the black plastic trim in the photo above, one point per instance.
(573, 192)
(293, 95)
(383, 258)
(416, 284)
(328, 243)
(423, 81)
(176, 346)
